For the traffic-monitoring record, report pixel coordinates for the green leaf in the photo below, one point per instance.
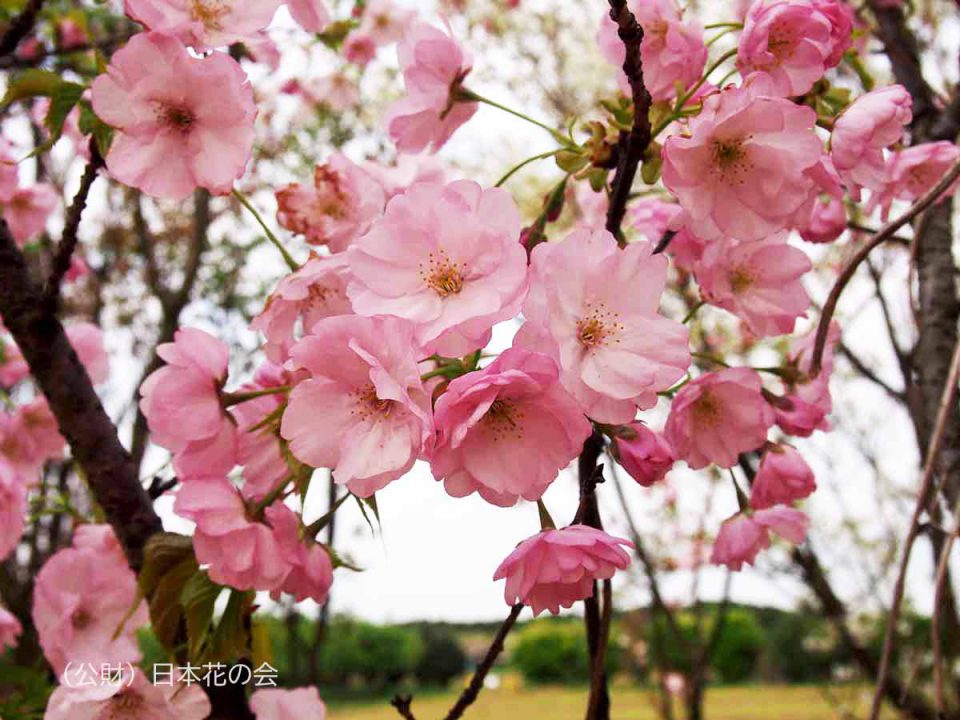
(198, 598)
(231, 638)
(31, 83)
(166, 610)
(162, 552)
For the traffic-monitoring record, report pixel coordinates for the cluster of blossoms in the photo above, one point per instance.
(376, 346)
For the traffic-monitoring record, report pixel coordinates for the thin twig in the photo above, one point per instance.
(885, 233)
(468, 696)
(20, 27)
(68, 241)
(936, 440)
(402, 704)
(598, 670)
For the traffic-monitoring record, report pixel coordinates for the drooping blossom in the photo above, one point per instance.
(82, 603)
(828, 220)
(88, 341)
(363, 412)
(132, 698)
(794, 41)
(240, 552)
(433, 65)
(385, 21)
(340, 207)
(506, 431)
(181, 402)
(10, 629)
(686, 249)
(447, 258)
(409, 170)
(296, 704)
(872, 123)
(13, 510)
(805, 407)
(743, 536)
(27, 210)
(205, 24)
(718, 416)
(556, 568)
(594, 308)
(915, 170)
(644, 454)
(824, 190)
(311, 568)
(782, 478)
(673, 51)
(312, 15)
(740, 173)
(759, 282)
(181, 122)
(652, 217)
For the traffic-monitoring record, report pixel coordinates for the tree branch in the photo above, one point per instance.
(20, 27)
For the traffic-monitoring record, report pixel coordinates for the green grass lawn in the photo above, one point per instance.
(629, 703)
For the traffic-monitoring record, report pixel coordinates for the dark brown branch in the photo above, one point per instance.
(108, 467)
(848, 270)
(71, 228)
(869, 374)
(469, 695)
(632, 145)
(20, 27)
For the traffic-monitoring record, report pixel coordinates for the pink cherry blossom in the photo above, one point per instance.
(13, 368)
(71, 35)
(828, 220)
(13, 510)
(652, 217)
(743, 536)
(590, 207)
(311, 568)
(447, 258)
(312, 15)
(782, 478)
(915, 170)
(340, 207)
(594, 308)
(873, 122)
(506, 431)
(759, 282)
(686, 249)
(385, 21)
(718, 416)
(408, 171)
(29, 437)
(359, 49)
(363, 412)
(240, 552)
(647, 456)
(88, 342)
(315, 291)
(740, 173)
(806, 407)
(10, 629)
(433, 65)
(205, 24)
(673, 51)
(794, 41)
(9, 174)
(556, 568)
(297, 704)
(134, 698)
(82, 603)
(182, 122)
(182, 404)
(27, 211)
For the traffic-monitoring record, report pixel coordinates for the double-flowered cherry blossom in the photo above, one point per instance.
(507, 430)
(718, 416)
(644, 454)
(672, 51)
(914, 171)
(556, 568)
(310, 568)
(794, 41)
(127, 698)
(26, 211)
(13, 507)
(340, 206)
(446, 257)
(29, 437)
(206, 24)
(363, 412)
(182, 404)
(85, 603)
(434, 66)
(872, 123)
(593, 307)
(296, 704)
(181, 122)
(740, 171)
(315, 291)
(744, 535)
(804, 409)
(782, 478)
(759, 282)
